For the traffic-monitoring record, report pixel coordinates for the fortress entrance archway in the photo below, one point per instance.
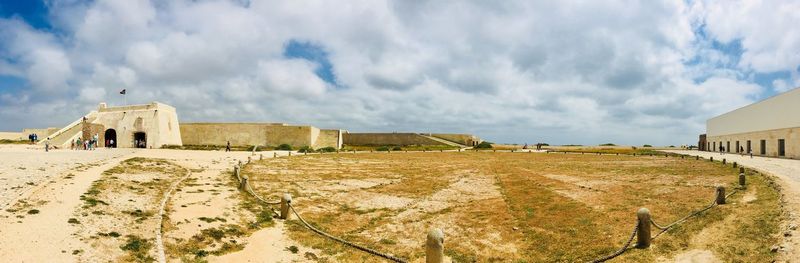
(139, 140)
(111, 138)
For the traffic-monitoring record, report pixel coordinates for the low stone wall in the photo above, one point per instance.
(42, 133)
(13, 136)
(381, 139)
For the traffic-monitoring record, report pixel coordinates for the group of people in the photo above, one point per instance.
(88, 144)
(33, 138)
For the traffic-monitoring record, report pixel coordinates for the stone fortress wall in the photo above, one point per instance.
(157, 125)
(463, 139)
(387, 139)
(262, 134)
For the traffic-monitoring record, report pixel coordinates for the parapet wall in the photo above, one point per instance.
(385, 139)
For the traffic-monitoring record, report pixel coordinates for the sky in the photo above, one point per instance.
(515, 71)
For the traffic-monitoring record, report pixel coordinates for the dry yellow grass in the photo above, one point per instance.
(515, 206)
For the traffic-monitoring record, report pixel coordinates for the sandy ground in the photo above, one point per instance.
(788, 173)
(24, 167)
(52, 182)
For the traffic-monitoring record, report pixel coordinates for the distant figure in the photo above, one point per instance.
(721, 149)
(47, 145)
(228, 147)
(741, 150)
(525, 147)
(110, 143)
(78, 143)
(72, 145)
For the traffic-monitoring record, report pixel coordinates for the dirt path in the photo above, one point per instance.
(47, 236)
(788, 173)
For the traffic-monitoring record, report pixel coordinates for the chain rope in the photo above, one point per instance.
(356, 246)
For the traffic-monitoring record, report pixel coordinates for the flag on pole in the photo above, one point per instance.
(122, 92)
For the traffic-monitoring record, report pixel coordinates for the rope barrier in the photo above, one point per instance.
(359, 247)
(249, 189)
(663, 229)
(624, 247)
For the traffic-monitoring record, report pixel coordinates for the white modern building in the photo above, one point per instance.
(767, 128)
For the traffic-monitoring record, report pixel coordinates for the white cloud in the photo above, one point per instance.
(512, 71)
(768, 31)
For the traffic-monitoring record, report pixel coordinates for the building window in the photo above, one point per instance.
(728, 146)
(781, 147)
(737, 147)
(715, 147)
(763, 147)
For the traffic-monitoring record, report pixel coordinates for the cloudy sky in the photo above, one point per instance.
(562, 72)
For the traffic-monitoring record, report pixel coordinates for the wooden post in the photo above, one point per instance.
(248, 159)
(274, 155)
(290, 154)
(236, 171)
(742, 179)
(286, 199)
(260, 156)
(724, 161)
(735, 165)
(634, 154)
(434, 246)
(720, 195)
(697, 157)
(243, 183)
(712, 159)
(643, 234)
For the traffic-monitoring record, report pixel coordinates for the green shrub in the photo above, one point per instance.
(306, 149)
(397, 148)
(608, 144)
(484, 145)
(284, 147)
(647, 145)
(327, 149)
(382, 149)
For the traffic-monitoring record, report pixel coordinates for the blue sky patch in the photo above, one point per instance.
(314, 53)
(34, 12)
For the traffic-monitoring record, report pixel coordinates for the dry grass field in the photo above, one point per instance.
(519, 207)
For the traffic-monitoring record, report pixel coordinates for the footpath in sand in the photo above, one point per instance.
(36, 227)
(788, 173)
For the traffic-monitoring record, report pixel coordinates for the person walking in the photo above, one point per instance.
(228, 147)
(47, 145)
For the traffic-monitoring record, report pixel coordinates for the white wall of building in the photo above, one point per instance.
(778, 112)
